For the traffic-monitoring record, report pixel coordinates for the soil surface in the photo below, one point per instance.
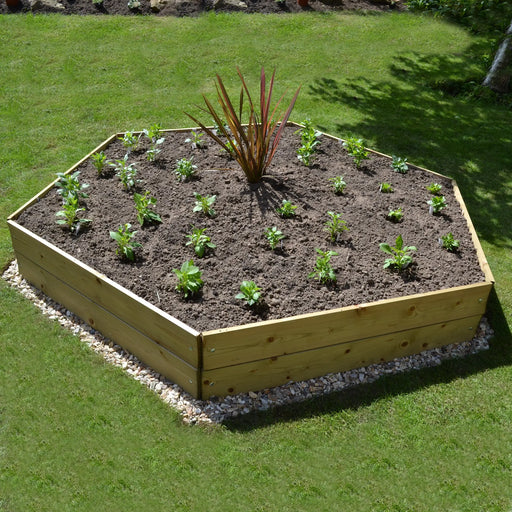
(244, 211)
(196, 7)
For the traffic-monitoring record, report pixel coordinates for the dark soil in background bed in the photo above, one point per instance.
(244, 211)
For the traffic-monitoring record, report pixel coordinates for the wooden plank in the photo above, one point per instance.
(143, 316)
(135, 342)
(308, 364)
(273, 338)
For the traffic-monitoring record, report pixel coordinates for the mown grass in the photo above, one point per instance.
(77, 434)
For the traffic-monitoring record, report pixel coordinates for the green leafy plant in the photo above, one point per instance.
(395, 215)
(200, 241)
(125, 245)
(143, 204)
(274, 236)
(249, 292)
(69, 185)
(153, 132)
(154, 150)
(437, 203)
(335, 226)
(287, 209)
(185, 169)
(205, 204)
(355, 148)
(434, 188)
(338, 184)
(196, 139)
(70, 210)
(252, 145)
(449, 243)
(133, 4)
(130, 141)
(399, 164)
(401, 255)
(189, 279)
(306, 152)
(386, 188)
(323, 272)
(125, 172)
(99, 160)
(309, 142)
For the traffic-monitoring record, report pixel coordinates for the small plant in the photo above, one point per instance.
(154, 150)
(287, 209)
(434, 188)
(338, 184)
(125, 172)
(355, 148)
(189, 279)
(70, 209)
(99, 160)
(144, 213)
(309, 142)
(437, 203)
(386, 188)
(274, 236)
(196, 139)
(200, 241)
(323, 272)
(306, 152)
(449, 243)
(399, 164)
(249, 292)
(185, 169)
(153, 132)
(125, 246)
(335, 226)
(395, 215)
(205, 204)
(69, 185)
(130, 140)
(133, 4)
(401, 257)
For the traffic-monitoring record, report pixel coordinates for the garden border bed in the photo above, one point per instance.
(258, 355)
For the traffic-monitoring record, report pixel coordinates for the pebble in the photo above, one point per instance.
(218, 410)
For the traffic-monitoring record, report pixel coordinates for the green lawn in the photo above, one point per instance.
(76, 434)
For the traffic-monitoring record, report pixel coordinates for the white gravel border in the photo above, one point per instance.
(217, 410)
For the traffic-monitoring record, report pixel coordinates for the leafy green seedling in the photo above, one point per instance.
(153, 132)
(401, 257)
(274, 236)
(154, 150)
(399, 164)
(70, 209)
(434, 188)
(196, 139)
(287, 209)
(323, 272)
(69, 185)
(249, 292)
(308, 132)
(395, 215)
(200, 241)
(205, 204)
(306, 152)
(185, 169)
(449, 243)
(437, 203)
(125, 246)
(125, 172)
(386, 188)
(133, 4)
(335, 226)
(355, 148)
(130, 141)
(338, 184)
(189, 279)
(143, 203)
(99, 160)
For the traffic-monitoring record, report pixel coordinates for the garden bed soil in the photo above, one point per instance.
(244, 211)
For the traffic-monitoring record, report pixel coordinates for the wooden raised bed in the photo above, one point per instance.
(254, 356)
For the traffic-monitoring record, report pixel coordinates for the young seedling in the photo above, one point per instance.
(287, 209)
(323, 272)
(133, 4)
(189, 279)
(154, 150)
(205, 204)
(386, 188)
(99, 160)
(401, 257)
(185, 169)
(274, 236)
(125, 245)
(436, 204)
(335, 226)
(434, 188)
(308, 132)
(196, 139)
(200, 241)
(339, 184)
(399, 164)
(70, 209)
(125, 172)
(145, 215)
(307, 151)
(130, 140)
(68, 185)
(153, 132)
(449, 243)
(249, 292)
(355, 148)
(395, 215)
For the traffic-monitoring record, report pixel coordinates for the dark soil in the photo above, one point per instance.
(196, 7)
(243, 213)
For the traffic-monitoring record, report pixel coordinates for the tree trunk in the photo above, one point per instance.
(498, 77)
